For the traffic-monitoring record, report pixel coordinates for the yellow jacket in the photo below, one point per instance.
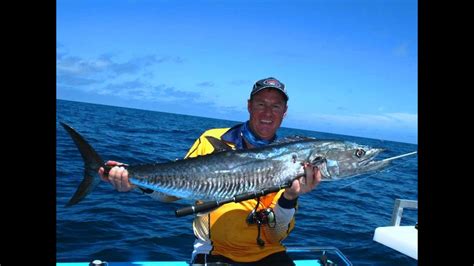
(224, 231)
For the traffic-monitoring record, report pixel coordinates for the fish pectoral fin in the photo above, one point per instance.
(218, 144)
(168, 198)
(160, 196)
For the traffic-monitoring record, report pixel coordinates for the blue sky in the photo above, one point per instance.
(350, 67)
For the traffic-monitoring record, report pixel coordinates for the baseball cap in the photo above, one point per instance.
(267, 83)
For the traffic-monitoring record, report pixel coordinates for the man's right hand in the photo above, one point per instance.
(118, 176)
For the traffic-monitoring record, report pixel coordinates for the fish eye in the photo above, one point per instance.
(359, 153)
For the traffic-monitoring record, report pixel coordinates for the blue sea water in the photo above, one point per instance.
(116, 226)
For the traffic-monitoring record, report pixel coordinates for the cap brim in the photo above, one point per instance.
(270, 87)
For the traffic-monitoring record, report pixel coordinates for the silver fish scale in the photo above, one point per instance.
(226, 174)
(215, 176)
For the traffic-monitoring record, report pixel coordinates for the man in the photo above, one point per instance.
(248, 232)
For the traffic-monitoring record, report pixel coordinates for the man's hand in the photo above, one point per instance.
(304, 184)
(118, 177)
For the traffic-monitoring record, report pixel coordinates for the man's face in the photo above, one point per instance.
(267, 109)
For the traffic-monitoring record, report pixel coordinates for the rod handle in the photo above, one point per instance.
(196, 208)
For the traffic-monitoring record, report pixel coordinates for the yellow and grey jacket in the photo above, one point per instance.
(224, 231)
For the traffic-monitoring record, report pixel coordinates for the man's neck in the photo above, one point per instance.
(247, 144)
(251, 138)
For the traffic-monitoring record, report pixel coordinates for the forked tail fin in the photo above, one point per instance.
(92, 163)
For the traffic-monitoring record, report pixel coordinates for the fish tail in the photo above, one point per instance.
(92, 163)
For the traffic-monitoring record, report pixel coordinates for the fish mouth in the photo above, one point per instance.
(332, 170)
(370, 157)
(370, 164)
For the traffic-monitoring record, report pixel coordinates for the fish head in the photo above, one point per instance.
(339, 160)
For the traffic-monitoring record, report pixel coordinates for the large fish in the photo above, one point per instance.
(226, 173)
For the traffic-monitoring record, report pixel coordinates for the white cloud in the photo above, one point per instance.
(386, 120)
(365, 125)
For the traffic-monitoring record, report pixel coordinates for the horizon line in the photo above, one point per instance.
(151, 110)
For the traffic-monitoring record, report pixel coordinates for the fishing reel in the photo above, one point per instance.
(262, 217)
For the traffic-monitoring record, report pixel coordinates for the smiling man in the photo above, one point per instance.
(248, 232)
(267, 107)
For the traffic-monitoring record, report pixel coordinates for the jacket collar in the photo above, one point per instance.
(234, 135)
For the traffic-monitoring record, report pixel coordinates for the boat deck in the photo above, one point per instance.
(303, 256)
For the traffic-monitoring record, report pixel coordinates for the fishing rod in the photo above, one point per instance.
(384, 160)
(399, 156)
(238, 198)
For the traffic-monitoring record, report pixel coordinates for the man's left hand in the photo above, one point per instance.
(304, 184)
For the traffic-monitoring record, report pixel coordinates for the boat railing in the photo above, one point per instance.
(398, 207)
(403, 239)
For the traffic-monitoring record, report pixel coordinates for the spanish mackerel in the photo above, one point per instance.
(228, 172)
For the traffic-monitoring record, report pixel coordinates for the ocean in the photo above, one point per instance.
(115, 226)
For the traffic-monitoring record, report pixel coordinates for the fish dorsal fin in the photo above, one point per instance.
(290, 139)
(218, 144)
